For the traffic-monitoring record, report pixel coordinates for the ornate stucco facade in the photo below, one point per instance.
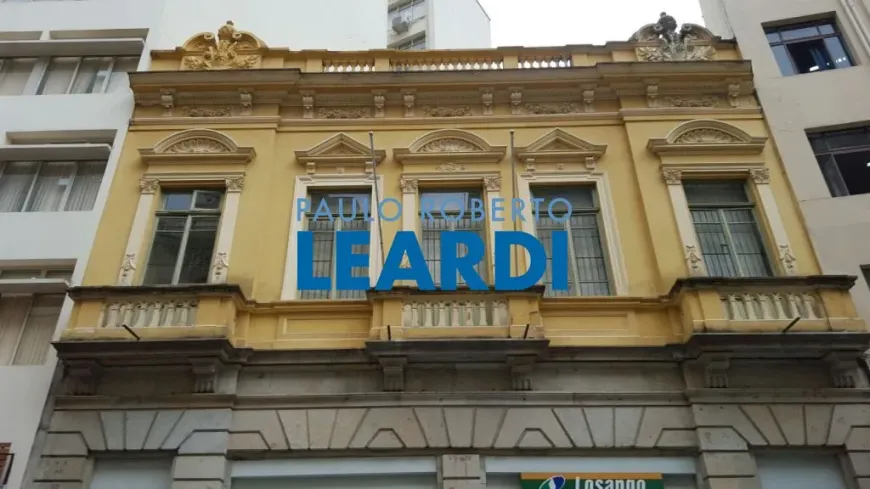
(669, 366)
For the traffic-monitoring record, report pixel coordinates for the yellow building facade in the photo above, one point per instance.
(696, 332)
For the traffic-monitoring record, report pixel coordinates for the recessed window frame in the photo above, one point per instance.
(415, 43)
(51, 303)
(479, 227)
(107, 73)
(595, 210)
(774, 38)
(720, 207)
(189, 214)
(414, 6)
(27, 204)
(314, 195)
(827, 157)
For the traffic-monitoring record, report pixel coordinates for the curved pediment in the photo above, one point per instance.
(561, 146)
(204, 145)
(453, 144)
(230, 49)
(705, 136)
(339, 150)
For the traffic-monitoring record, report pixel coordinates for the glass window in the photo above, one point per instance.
(808, 47)
(184, 238)
(844, 158)
(414, 44)
(93, 74)
(27, 324)
(346, 214)
(409, 11)
(456, 217)
(14, 73)
(50, 186)
(587, 264)
(724, 219)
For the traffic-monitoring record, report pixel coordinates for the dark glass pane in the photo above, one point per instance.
(449, 201)
(855, 170)
(810, 56)
(847, 139)
(197, 253)
(177, 201)
(715, 192)
(799, 33)
(324, 247)
(818, 143)
(783, 60)
(207, 200)
(837, 52)
(581, 197)
(714, 243)
(346, 201)
(747, 242)
(164, 250)
(832, 175)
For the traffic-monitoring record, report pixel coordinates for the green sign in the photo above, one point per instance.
(591, 481)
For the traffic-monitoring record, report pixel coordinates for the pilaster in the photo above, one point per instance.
(461, 472)
(691, 248)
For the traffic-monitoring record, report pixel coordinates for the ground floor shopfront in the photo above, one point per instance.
(205, 415)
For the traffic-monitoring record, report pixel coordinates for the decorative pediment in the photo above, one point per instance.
(342, 151)
(453, 145)
(197, 145)
(662, 42)
(707, 137)
(231, 49)
(560, 146)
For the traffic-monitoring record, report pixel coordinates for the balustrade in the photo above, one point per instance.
(773, 306)
(149, 314)
(545, 61)
(422, 312)
(348, 65)
(446, 63)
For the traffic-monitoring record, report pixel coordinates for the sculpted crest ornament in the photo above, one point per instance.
(662, 42)
(231, 49)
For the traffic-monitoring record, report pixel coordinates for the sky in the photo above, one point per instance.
(561, 22)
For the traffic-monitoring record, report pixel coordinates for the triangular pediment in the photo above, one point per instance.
(559, 140)
(339, 150)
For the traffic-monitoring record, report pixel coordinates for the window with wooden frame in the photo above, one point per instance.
(184, 237)
(456, 216)
(587, 263)
(724, 217)
(345, 215)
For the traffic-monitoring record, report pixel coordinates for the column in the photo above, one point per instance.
(221, 264)
(787, 260)
(493, 191)
(148, 188)
(288, 291)
(461, 472)
(691, 248)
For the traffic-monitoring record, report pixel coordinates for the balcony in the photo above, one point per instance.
(154, 312)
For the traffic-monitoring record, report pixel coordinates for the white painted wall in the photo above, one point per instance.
(839, 227)
(458, 24)
(295, 24)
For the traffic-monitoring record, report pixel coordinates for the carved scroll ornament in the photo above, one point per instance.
(231, 49)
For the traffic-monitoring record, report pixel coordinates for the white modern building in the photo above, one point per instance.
(438, 24)
(811, 60)
(64, 107)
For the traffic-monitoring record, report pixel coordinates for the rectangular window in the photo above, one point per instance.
(345, 202)
(453, 203)
(799, 470)
(14, 74)
(92, 74)
(184, 239)
(724, 219)
(808, 47)
(50, 186)
(409, 11)
(844, 158)
(27, 324)
(415, 44)
(587, 264)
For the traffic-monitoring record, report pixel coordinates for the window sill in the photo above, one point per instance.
(55, 152)
(34, 286)
(72, 47)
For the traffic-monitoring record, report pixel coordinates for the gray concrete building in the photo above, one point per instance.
(810, 59)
